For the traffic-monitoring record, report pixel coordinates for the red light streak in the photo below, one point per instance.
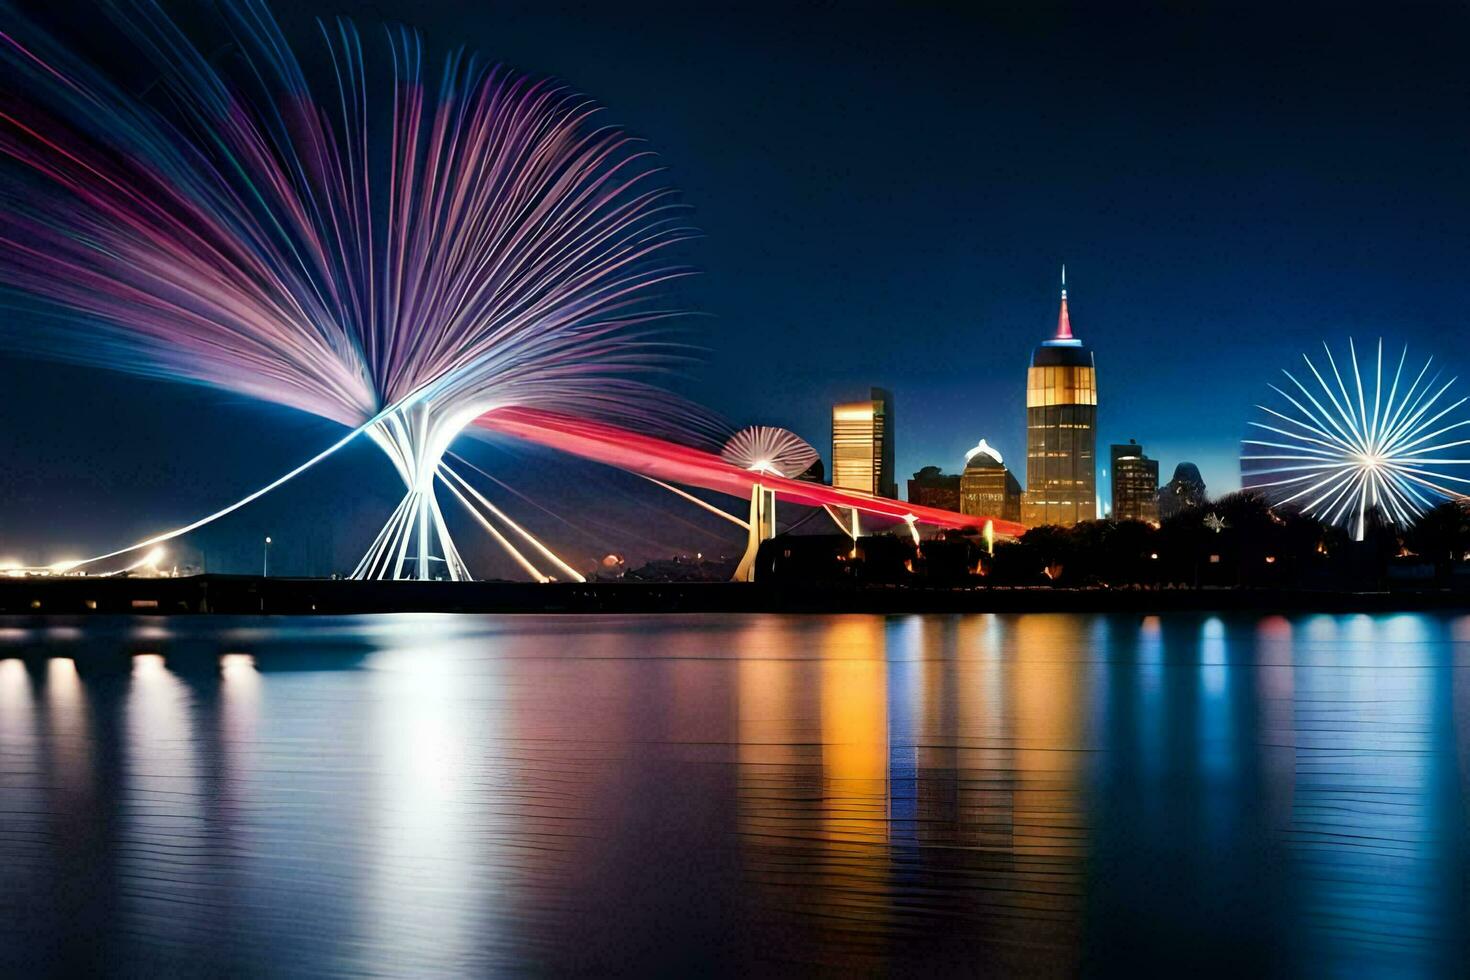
(673, 463)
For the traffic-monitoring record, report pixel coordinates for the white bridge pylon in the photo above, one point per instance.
(386, 559)
(416, 439)
(761, 527)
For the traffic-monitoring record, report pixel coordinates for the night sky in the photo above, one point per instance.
(887, 196)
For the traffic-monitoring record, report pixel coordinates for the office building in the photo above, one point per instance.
(987, 488)
(862, 445)
(1061, 429)
(1135, 484)
(931, 487)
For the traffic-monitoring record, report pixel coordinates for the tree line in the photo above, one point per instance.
(1239, 539)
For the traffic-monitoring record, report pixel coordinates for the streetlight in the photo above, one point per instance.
(265, 560)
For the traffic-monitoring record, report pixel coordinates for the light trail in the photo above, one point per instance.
(152, 558)
(460, 244)
(411, 399)
(222, 512)
(500, 539)
(530, 539)
(742, 524)
(334, 240)
(671, 462)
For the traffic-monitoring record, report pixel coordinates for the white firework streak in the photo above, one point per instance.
(769, 450)
(1341, 454)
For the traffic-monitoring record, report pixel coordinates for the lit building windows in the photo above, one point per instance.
(862, 445)
(1061, 430)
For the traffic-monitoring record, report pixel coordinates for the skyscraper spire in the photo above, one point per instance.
(1061, 429)
(1064, 323)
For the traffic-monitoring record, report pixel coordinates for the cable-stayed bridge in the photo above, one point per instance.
(675, 467)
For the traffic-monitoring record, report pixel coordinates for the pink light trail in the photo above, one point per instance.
(672, 463)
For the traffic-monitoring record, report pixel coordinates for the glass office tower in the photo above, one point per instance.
(1061, 430)
(1135, 484)
(862, 445)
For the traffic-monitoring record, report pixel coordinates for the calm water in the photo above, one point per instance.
(426, 795)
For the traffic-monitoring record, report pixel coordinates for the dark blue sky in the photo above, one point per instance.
(887, 195)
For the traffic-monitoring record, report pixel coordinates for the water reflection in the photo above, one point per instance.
(1377, 821)
(448, 795)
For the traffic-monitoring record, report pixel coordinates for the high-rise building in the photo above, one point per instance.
(1061, 429)
(1186, 490)
(931, 487)
(987, 488)
(1135, 484)
(862, 445)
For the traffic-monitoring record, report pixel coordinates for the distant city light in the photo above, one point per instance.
(237, 665)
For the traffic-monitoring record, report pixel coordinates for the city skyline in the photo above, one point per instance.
(886, 441)
(1311, 222)
(798, 489)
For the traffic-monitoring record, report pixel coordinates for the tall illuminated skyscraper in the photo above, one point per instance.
(862, 445)
(1061, 429)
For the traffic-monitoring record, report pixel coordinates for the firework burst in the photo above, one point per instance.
(768, 449)
(399, 250)
(1342, 450)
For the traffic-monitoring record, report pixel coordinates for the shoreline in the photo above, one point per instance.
(254, 595)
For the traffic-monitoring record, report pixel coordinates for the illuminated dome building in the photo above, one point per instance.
(987, 488)
(1061, 429)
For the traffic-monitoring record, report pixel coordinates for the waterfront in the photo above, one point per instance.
(1007, 794)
